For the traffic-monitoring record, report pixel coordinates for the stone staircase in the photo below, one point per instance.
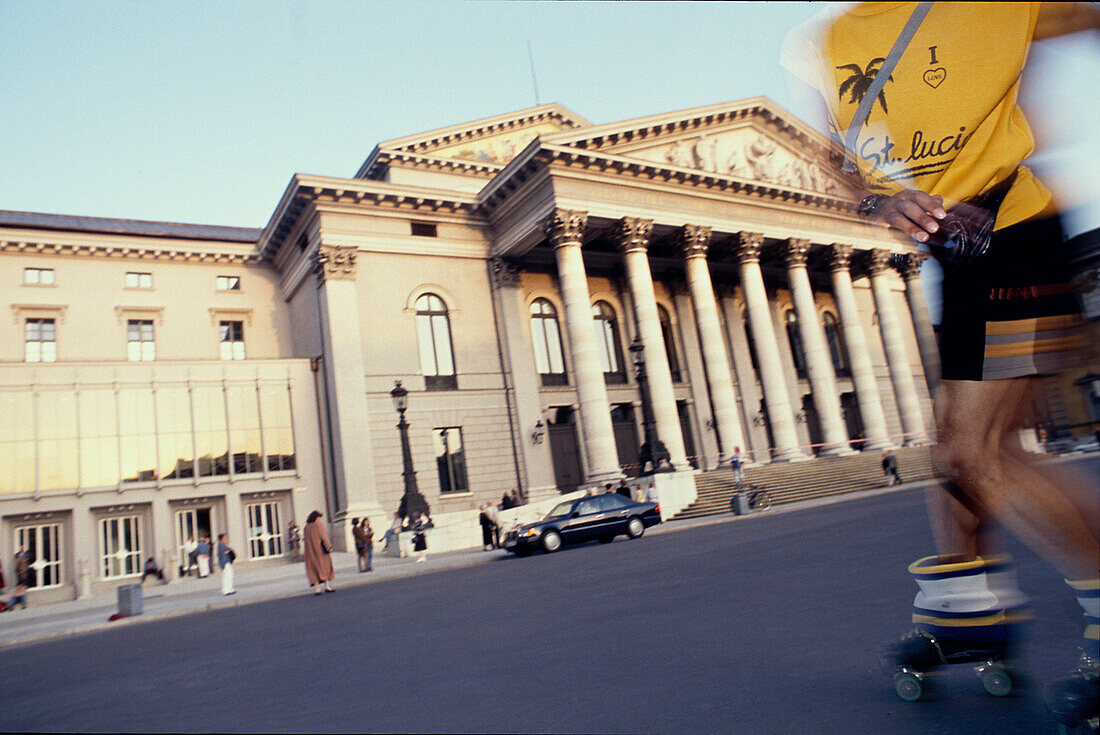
(793, 481)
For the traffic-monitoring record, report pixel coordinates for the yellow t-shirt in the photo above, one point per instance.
(947, 122)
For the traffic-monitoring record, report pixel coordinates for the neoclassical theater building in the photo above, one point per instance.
(160, 381)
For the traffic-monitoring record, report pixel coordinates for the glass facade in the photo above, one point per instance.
(91, 437)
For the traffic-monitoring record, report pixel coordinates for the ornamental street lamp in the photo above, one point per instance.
(413, 503)
(653, 450)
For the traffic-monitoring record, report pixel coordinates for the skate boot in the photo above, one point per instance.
(965, 613)
(1075, 700)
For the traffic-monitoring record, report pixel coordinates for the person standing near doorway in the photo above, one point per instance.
(202, 555)
(737, 464)
(226, 557)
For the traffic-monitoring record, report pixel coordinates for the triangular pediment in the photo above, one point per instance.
(753, 139)
(490, 140)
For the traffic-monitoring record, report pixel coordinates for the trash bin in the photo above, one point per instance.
(129, 599)
(740, 503)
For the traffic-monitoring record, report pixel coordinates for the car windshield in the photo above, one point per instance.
(559, 510)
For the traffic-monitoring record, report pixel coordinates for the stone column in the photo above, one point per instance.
(901, 372)
(757, 449)
(767, 349)
(819, 367)
(632, 236)
(909, 267)
(863, 373)
(694, 240)
(344, 375)
(538, 466)
(565, 229)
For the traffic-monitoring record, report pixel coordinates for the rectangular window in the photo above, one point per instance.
(424, 229)
(58, 460)
(278, 430)
(120, 547)
(174, 442)
(137, 431)
(232, 340)
(139, 280)
(98, 437)
(38, 276)
(229, 283)
(17, 442)
(211, 432)
(43, 544)
(450, 460)
(265, 538)
(244, 428)
(41, 341)
(140, 346)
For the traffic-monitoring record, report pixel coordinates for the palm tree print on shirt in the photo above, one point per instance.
(857, 84)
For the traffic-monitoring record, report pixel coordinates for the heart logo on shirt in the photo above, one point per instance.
(934, 77)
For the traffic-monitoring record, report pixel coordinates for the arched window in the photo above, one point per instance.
(546, 338)
(837, 349)
(433, 335)
(795, 337)
(670, 343)
(607, 334)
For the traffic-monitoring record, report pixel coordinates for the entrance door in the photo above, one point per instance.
(626, 439)
(813, 422)
(191, 523)
(565, 451)
(853, 422)
(685, 429)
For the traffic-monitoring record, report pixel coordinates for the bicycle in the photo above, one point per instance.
(756, 499)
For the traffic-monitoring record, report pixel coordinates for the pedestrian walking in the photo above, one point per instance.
(737, 464)
(420, 539)
(623, 488)
(202, 555)
(294, 541)
(494, 517)
(1010, 309)
(190, 553)
(651, 493)
(18, 597)
(890, 468)
(368, 537)
(3, 582)
(318, 554)
(23, 559)
(358, 532)
(486, 528)
(226, 557)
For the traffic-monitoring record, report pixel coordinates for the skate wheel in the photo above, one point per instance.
(908, 686)
(996, 681)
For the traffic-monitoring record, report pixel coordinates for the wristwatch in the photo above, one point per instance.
(869, 204)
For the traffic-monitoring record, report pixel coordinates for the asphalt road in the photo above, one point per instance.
(767, 624)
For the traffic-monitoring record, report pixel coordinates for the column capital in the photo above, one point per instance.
(335, 263)
(840, 256)
(505, 274)
(878, 260)
(909, 265)
(694, 240)
(632, 233)
(747, 246)
(565, 227)
(795, 251)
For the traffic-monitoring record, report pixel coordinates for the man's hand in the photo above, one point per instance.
(912, 212)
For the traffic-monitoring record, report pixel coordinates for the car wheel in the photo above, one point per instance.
(635, 528)
(551, 542)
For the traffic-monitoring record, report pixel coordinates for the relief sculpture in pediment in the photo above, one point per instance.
(759, 159)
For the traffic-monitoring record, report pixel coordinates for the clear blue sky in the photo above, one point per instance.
(201, 112)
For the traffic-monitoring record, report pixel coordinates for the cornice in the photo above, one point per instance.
(304, 191)
(406, 159)
(41, 246)
(477, 129)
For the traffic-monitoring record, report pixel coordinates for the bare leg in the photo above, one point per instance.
(976, 423)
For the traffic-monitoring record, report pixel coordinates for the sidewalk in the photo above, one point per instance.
(190, 595)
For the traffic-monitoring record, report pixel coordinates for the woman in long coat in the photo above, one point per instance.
(317, 552)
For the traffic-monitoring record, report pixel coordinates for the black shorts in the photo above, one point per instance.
(1014, 313)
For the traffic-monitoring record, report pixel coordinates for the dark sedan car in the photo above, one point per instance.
(597, 517)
